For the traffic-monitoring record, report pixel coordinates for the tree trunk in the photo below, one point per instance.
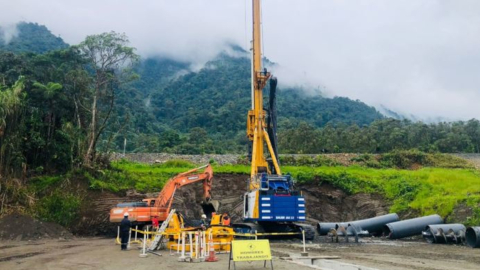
(89, 156)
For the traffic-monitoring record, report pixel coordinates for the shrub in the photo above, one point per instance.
(176, 163)
(403, 159)
(59, 207)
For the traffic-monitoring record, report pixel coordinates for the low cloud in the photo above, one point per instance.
(415, 57)
(8, 32)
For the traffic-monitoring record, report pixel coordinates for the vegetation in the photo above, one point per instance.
(205, 111)
(426, 191)
(55, 106)
(382, 136)
(58, 207)
(63, 107)
(91, 106)
(30, 37)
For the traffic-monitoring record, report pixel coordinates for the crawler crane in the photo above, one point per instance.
(271, 203)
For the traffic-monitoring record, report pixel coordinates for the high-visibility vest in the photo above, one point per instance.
(226, 221)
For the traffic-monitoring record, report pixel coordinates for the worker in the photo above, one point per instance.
(203, 222)
(125, 230)
(225, 220)
(155, 222)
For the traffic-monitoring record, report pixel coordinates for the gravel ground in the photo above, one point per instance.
(102, 253)
(393, 255)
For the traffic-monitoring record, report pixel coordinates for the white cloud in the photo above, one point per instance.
(7, 32)
(414, 57)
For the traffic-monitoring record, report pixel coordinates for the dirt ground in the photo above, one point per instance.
(102, 253)
(20, 227)
(393, 255)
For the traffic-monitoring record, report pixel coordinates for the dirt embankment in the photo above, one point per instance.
(330, 204)
(19, 227)
(324, 203)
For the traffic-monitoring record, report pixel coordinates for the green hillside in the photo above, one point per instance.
(32, 37)
(172, 109)
(165, 107)
(171, 101)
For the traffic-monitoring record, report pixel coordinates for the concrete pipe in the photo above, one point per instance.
(325, 227)
(472, 237)
(375, 225)
(410, 227)
(372, 225)
(444, 233)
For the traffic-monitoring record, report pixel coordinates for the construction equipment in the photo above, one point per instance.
(221, 235)
(156, 244)
(143, 212)
(271, 203)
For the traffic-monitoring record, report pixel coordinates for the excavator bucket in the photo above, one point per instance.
(210, 207)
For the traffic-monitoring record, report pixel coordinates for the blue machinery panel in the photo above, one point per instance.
(281, 208)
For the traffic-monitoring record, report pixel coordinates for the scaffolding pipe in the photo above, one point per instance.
(410, 227)
(372, 225)
(444, 233)
(472, 237)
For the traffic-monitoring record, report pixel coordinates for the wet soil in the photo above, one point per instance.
(393, 255)
(102, 253)
(20, 227)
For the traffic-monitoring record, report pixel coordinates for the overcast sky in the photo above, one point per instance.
(418, 57)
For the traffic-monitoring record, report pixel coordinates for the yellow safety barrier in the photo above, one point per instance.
(234, 234)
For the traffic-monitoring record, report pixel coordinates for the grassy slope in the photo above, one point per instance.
(427, 190)
(424, 191)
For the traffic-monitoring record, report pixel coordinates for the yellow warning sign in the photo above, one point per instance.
(251, 250)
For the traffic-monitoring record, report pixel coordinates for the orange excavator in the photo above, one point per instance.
(143, 212)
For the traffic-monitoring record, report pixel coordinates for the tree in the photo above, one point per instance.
(109, 58)
(50, 92)
(11, 113)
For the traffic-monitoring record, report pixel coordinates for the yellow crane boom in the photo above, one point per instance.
(256, 117)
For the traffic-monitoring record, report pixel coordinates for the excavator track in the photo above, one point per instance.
(309, 230)
(247, 227)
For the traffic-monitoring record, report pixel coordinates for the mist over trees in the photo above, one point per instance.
(55, 106)
(64, 106)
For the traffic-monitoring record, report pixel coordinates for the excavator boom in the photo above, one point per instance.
(142, 212)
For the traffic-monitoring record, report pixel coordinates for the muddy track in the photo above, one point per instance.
(21, 256)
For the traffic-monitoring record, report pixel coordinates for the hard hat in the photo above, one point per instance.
(204, 216)
(125, 214)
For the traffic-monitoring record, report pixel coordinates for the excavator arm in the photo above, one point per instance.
(165, 197)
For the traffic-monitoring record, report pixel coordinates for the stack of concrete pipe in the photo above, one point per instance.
(410, 227)
(372, 226)
(430, 227)
(444, 233)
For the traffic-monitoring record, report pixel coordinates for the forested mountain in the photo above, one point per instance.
(215, 101)
(30, 37)
(163, 106)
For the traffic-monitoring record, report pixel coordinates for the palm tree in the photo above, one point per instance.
(50, 92)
